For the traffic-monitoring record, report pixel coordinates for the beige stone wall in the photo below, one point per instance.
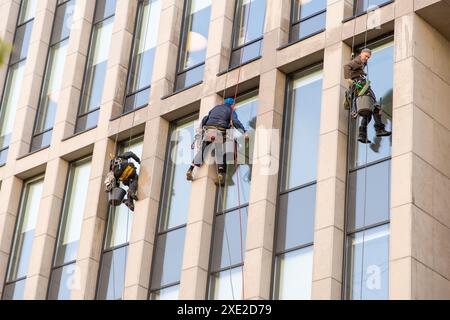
(420, 223)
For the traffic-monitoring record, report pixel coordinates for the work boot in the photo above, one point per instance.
(189, 176)
(129, 203)
(220, 180)
(133, 196)
(381, 131)
(363, 135)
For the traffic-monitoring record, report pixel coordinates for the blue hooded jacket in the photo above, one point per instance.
(220, 116)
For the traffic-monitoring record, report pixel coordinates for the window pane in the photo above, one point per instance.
(254, 21)
(305, 8)
(168, 258)
(104, 9)
(51, 88)
(363, 5)
(14, 291)
(228, 250)
(112, 274)
(296, 218)
(88, 121)
(368, 253)
(23, 239)
(120, 219)
(137, 100)
(195, 33)
(21, 42)
(303, 130)
(146, 37)
(96, 69)
(369, 199)
(170, 293)
(308, 27)
(381, 76)
(177, 189)
(62, 282)
(246, 54)
(41, 141)
(27, 10)
(73, 212)
(10, 102)
(294, 275)
(189, 78)
(63, 21)
(247, 111)
(227, 285)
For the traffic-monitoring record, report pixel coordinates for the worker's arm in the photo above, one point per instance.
(237, 124)
(129, 154)
(348, 68)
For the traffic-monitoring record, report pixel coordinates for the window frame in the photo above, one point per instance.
(380, 41)
(293, 23)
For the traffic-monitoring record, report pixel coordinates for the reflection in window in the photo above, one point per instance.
(168, 254)
(94, 78)
(230, 226)
(114, 258)
(368, 195)
(297, 199)
(248, 31)
(194, 41)
(70, 229)
(14, 77)
(56, 60)
(361, 6)
(308, 18)
(23, 239)
(144, 48)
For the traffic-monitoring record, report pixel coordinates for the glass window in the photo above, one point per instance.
(230, 227)
(96, 67)
(194, 41)
(368, 259)
(14, 78)
(73, 212)
(297, 198)
(368, 195)
(380, 72)
(362, 6)
(56, 60)
(308, 18)
(62, 282)
(120, 220)
(144, 48)
(303, 128)
(248, 31)
(23, 237)
(168, 255)
(294, 273)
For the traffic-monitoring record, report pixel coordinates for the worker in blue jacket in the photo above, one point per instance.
(213, 129)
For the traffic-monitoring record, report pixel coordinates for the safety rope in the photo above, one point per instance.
(235, 159)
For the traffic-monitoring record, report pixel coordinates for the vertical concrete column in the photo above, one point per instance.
(144, 228)
(263, 191)
(331, 173)
(46, 230)
(32, 80)
(69, 98)
(420, 224)
(197, 246)
(9, 11)
(9, 206)
(93, 226)
(118, 61)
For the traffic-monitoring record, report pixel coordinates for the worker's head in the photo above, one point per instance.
(365, 54)
(229, 101)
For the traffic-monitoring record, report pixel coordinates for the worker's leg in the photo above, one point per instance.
(363, 129)
(379, 125)
(198, 160)
(220, 156)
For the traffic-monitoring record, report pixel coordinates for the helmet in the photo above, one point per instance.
(229, 101)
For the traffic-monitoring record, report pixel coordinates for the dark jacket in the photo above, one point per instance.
(220, 116)
(354, 69)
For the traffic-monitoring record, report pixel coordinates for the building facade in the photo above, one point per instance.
(309, 214)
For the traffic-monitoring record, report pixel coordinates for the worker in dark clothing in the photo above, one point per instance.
(354, 72)
(213, 129)
(123, 170)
